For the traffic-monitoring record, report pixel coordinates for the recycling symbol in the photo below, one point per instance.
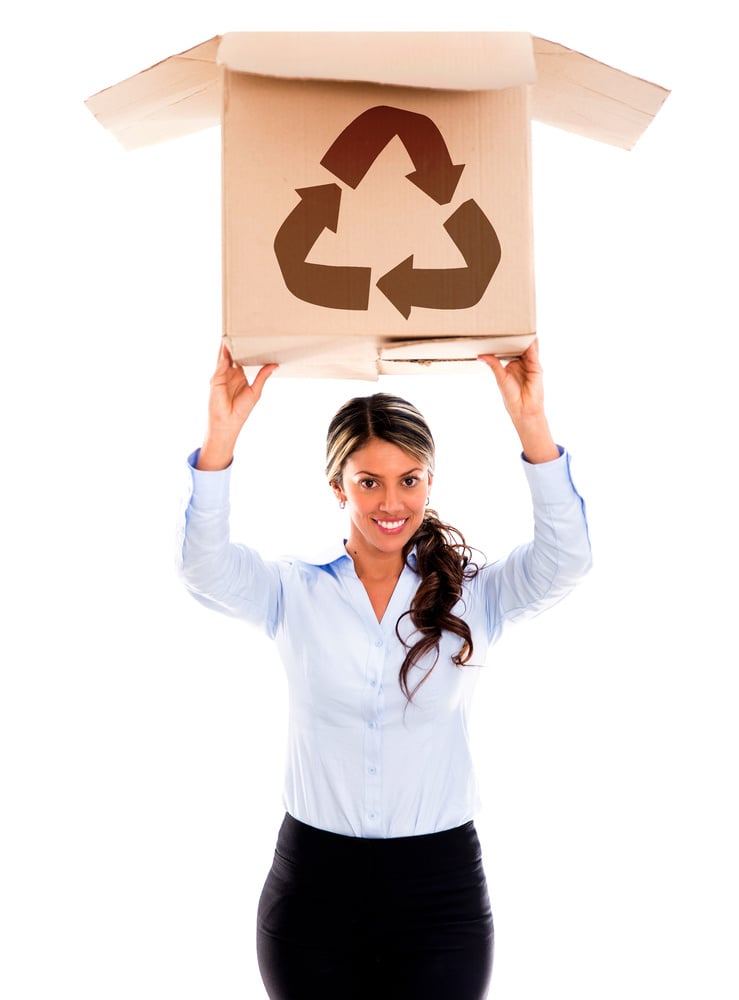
(349, 158)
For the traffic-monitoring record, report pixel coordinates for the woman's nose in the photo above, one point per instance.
(391, 500)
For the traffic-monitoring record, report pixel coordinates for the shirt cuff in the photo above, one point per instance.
(550, 482)
(209, 490)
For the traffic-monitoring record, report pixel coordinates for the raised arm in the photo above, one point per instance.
(522, 389)
(231, 401)
(227, 577)
(540, 573)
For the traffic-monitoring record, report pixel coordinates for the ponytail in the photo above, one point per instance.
(444, 562)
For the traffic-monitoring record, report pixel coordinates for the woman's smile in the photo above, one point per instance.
(386, 492)
(391, 527)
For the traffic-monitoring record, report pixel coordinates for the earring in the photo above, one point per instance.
(342, 504)
(427, 501)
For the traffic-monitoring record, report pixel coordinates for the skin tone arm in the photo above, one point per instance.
(231, 401)
(522, 389)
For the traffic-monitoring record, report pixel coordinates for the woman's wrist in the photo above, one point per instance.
(536, 439)
(215, 454)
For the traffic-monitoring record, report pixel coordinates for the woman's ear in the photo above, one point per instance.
(338, 492)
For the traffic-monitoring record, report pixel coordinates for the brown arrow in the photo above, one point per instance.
(320, 284)
(355, 150)
(450, 287)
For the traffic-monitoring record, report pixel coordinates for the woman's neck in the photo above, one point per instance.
(379, 567)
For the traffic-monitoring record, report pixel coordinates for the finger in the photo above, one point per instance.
(495, 365)
(532, 351)
(261, 377)
(224, 359)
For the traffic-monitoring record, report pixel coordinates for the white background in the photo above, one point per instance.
(141, 737)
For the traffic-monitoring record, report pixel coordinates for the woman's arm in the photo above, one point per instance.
(537, 575)
(229, 578)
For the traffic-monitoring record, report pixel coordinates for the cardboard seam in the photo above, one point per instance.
(193, 93)
(154, 115)
(422, 361)
(207, 62)
(558, 53)
(608, 97)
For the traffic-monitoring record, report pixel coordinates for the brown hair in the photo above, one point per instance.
(443, 557)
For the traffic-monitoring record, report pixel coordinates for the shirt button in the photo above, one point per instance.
(372, 724)
(372, 770)
(373, 683)
(372, 815)
(378, 642)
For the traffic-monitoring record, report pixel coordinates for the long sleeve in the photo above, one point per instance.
(538, 574)
(224, 576)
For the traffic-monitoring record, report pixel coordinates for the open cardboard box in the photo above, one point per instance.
(377, 185)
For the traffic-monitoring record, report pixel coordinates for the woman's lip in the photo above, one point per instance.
(391, 526)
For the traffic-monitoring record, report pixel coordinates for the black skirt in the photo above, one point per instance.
(353, 918)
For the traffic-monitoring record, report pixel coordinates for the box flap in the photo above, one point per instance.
(582, 95)
(172, 98)
(308, 357)
(453, 60)
(570, 90)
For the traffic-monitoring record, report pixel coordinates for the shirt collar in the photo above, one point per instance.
(336, 552)
(327, 556)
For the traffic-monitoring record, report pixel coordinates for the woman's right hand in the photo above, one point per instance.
(231, 401)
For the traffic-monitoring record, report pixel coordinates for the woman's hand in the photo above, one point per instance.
(520, 382)
(232, 399)
(521, 386)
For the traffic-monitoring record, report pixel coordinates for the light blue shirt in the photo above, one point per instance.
(361, 760)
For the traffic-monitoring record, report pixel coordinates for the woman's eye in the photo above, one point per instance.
(368, 483)
(411, 480)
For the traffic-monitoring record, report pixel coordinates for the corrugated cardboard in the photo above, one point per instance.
(377, 186)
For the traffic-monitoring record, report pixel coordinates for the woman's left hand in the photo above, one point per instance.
(520, 382)
(521, 386)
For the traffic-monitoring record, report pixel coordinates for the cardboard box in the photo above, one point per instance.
(377, 185)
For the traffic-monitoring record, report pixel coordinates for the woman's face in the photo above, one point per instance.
(385, 490)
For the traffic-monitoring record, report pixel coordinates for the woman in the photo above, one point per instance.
(377, 887)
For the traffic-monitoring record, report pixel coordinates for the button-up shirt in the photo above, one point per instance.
(362, 760)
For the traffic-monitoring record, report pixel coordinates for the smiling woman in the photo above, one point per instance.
(377, 885)
(389, 519)
(386, 509)
(386, 499)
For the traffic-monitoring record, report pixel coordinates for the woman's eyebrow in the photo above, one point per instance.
(377, 475)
